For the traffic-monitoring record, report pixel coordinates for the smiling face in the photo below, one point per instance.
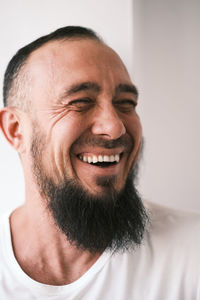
(83, 107)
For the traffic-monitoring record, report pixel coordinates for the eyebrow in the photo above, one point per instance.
(84, 86)
(127, 88)
(92, 86)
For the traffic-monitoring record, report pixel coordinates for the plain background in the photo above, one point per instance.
(159, 42)
(167, 71)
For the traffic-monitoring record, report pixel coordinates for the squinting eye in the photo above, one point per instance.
(81, 104)
(126, 105)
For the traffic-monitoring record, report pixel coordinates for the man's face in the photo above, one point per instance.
(83, 103)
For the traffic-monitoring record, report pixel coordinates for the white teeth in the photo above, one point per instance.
(117, 158)
(106, 158)
(94, 159)
(100, 158)
(89, 159)
(84, 158)
(112, 158)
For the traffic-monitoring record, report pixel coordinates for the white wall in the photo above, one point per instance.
(21, 21)
(167, 71)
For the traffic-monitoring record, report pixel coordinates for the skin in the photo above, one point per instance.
(63, 118)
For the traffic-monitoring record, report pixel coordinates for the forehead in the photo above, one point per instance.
(59, 64)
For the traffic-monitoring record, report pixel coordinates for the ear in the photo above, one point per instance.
(11, 127)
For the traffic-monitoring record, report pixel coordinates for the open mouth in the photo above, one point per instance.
(102, 161)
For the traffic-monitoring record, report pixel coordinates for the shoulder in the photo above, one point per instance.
(166, 219)
(166, 264)
(176, 231)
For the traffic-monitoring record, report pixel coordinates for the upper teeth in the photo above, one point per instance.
(99, 158)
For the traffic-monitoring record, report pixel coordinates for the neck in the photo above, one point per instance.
(43, 252)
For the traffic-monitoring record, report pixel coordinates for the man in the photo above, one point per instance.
(70, 112)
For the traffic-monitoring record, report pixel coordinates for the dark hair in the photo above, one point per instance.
(18, 60)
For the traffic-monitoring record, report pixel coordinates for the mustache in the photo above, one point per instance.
(124, 141)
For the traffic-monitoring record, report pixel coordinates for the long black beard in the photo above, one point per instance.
(112, 220)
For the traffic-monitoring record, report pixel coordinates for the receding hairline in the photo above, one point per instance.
(20, 58)
(21, 79)
(49, 47)
(62, 41)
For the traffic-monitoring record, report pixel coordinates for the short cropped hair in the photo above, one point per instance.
(12, 79)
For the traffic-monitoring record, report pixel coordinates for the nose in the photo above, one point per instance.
(108, 123)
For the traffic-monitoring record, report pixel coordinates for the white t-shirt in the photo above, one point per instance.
(165, 267)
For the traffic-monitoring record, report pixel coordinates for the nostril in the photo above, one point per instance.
(112, 127)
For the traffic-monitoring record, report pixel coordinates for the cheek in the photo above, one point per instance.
(134, 128)
(64, 134)
(135, 131)
(71, 126)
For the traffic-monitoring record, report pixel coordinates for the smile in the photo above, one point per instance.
(100, 160)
